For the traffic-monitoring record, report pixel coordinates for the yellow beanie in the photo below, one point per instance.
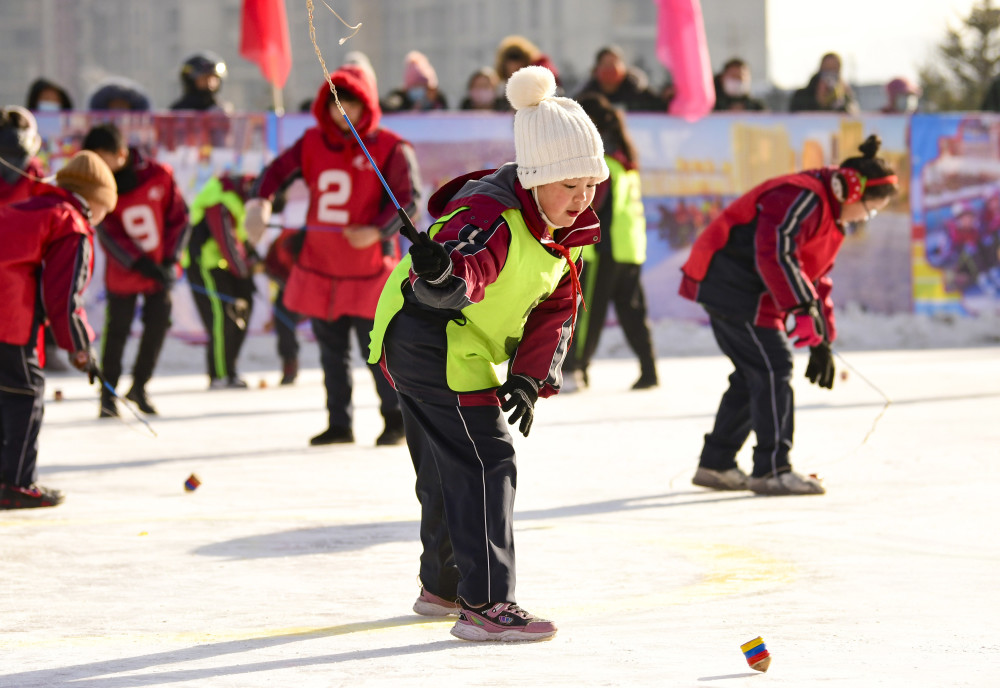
(88, 175)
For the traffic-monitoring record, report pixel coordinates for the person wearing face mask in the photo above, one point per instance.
(47, 96)
(765, 261)
(826, 91)
(902, 95)
(46, 261)
(420, 87)
(623, 87)
(494, 280)
(732, 88)
(481, 92)
(142, 239)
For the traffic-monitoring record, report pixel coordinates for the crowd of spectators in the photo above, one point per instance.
(626, 86)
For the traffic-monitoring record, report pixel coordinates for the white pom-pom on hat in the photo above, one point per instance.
(554, 138)
(529, 86)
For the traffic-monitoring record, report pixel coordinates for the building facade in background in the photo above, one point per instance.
(77, 43)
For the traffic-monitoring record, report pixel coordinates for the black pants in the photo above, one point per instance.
(285, 322)
(333, 337)
(117, 326)
(604, 282)
(225, 304)
(759, 398)
(466, 471)
(22, 390)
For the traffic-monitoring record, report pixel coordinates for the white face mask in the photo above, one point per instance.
(906, 102)
(48, 106)
(735, 88)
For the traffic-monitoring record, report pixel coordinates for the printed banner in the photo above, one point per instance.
(956, 213)
(690, 171)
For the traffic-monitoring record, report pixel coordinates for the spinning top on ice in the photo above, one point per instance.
(58, 395)
(192, 483)
(757, 655)
(262, 384)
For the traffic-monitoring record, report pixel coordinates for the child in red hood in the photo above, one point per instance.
(351, 243)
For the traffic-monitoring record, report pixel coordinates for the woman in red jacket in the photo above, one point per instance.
(46, 260)
(768, 257)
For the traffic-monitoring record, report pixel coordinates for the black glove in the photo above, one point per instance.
(168, 274)
(147, 268)
(820, 369)
(519, 394)
(85, 360)
(430, 259)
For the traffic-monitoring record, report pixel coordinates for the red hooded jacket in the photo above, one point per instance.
(46, 261)
(330, 278)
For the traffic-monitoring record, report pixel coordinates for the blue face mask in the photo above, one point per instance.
(418, 94)
(48, 106)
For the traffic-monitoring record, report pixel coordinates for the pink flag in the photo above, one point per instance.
(264, 39)
(682, 48)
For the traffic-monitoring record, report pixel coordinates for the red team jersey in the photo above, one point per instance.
(330, 278)
(149, 220)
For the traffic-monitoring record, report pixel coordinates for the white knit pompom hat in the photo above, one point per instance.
(554, 138)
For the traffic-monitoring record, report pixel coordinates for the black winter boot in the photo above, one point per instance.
(393, 433)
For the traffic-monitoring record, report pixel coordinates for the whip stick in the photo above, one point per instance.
(408, 230)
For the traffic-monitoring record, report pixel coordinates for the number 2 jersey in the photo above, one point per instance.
(151, 219)
(331, 278)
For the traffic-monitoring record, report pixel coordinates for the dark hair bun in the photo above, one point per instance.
(870, 147)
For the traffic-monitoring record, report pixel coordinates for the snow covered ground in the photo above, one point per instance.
(296, 566)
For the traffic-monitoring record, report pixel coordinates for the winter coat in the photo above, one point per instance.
(330, 278)
(150, 220)
(504, 309)
(23, 187)
(769, 253)
(804, 99)
(630, 95)
(46, 261)
(218, 237)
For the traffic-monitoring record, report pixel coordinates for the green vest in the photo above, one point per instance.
(493, 327)
(213, 194)
(628, 217)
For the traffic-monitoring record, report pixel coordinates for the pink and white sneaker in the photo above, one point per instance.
(429, 604)
(503, 621)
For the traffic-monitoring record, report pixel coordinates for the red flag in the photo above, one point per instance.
(264, 39)
(683, 49)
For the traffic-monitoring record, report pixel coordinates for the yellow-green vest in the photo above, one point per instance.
(213, 194)
(627, 232)
(491, 329)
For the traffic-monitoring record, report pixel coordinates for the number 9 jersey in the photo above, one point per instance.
(151, 220)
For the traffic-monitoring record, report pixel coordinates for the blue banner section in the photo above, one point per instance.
(956, 213)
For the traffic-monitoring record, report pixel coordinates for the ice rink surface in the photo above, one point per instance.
(296, 566)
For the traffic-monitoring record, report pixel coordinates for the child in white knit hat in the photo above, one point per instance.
(494, 280)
